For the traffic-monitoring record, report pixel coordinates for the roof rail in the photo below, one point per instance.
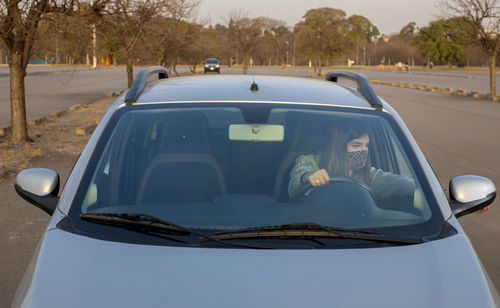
(364, 86)
(140, 82)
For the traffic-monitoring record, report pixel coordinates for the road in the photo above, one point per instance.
(459, 135)
(53, 89)
(469, 80)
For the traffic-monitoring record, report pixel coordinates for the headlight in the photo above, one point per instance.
(217, 65)
(206, 65)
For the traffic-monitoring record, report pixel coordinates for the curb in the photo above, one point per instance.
(421, 87)
(69, 70)
(458, 92)
(7, 170)
(5, 131)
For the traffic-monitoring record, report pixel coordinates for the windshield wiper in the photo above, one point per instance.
(311, 230)
(152, 223)
(136, 220)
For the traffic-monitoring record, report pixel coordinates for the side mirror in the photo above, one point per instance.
(470, 193)
(39, 187)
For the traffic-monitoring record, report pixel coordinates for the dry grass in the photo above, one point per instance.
(50, 135)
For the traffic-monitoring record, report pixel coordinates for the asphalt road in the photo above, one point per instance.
(459, 135)
(469, 80)
(55, 88)
(52, 89)
(464, 80)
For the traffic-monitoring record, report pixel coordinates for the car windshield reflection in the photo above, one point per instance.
(211, 169)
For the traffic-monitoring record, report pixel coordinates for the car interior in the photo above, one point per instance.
(186, 156)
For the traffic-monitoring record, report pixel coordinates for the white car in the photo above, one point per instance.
(253, 191)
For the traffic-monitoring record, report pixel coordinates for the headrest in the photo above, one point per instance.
(186, 132)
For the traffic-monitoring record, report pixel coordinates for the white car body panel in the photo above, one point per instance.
(78, 271)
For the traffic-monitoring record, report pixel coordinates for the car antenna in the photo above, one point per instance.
(254, 87)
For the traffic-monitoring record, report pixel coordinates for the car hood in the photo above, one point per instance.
(77, 271)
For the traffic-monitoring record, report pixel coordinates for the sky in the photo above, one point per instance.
(388, 15)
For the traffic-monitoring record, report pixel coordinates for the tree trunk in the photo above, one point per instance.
(493, 91)
(357, 51)
(174, 67)
(319, 66)
(164, 62)
(19, 128)
(283, 62)
(130, 70)
(245, 64)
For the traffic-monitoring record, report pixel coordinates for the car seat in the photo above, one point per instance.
(184, 170)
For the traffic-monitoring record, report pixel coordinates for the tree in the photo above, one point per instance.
(169, 33)
(205, 43)
(407, 32)
(322, 35)
(245, 35)
(226, 52)
(395, 50)
(18, 29)
(280, 37)
(126, 20)
(73, 32)
(442, 40)
(360, 29)
(19, 25)
(483, 17)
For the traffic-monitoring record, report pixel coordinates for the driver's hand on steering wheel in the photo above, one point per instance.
(316, 178)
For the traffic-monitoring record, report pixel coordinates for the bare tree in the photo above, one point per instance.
(19, 25)
(173, 36)
(181, 9)
(126, 20)
(484, 19)
(18, 29)
(280, 36)
(73, 32)
(170, 32)
(205, 43)
(245, 33)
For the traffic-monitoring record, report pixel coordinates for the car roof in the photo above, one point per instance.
(237, 88)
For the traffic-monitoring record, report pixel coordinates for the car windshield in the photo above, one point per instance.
(230, 167)
(212, 61)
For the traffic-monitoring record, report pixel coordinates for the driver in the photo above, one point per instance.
(347, 154)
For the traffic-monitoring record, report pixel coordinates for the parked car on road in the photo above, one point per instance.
(212, 65)
(253, 191)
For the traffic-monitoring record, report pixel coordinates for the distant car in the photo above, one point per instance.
(184, 197)
(212, 65)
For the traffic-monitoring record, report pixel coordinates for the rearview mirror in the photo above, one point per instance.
(470, 193)
(256, 132)
(39, 187)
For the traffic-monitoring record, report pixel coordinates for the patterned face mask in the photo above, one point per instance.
(356, 160)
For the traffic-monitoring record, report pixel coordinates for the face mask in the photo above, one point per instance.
(356, 160)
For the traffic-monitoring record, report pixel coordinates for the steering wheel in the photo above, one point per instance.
(334, 179)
